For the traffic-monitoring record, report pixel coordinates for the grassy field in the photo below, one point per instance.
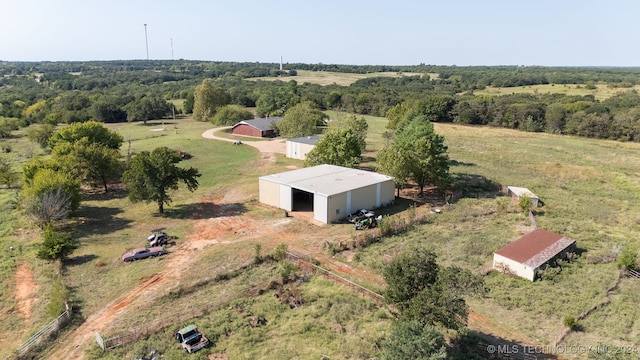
(601, 92)
(329, 78)
(589, 188)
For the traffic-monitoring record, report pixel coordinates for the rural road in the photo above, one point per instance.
(277, 145)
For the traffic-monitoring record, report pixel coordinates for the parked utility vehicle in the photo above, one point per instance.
(158, 237)
(191, 339)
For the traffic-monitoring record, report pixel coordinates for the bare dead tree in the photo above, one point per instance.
(53, 205)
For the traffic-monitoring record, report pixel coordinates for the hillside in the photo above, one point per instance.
(588, 188)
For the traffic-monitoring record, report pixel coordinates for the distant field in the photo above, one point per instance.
(329, 78)
(601, 92)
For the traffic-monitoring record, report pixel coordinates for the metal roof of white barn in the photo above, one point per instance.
(311, 140)
(326, 179)
(520, 191)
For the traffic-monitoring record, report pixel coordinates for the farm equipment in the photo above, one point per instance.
(158, 237)
(367, 222)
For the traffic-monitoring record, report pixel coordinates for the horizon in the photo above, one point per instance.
(459, 33)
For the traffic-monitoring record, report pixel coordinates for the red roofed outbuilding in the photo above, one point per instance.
(532, 252)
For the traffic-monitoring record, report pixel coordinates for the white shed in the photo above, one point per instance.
(298, 148)
(330, 192)
(532, 252)
(520, 192)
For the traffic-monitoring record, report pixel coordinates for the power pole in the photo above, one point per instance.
(146, 41)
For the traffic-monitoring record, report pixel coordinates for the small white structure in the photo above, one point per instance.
(298, 148)
(330, 192)
(531, 253)
(520, 192)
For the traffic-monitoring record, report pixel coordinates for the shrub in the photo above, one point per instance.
(571, 322)
(628, 258)
(280, 252)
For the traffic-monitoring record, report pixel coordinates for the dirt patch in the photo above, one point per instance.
(26, 290)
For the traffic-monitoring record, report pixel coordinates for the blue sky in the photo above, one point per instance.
(400, 32)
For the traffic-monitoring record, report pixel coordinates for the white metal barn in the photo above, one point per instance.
(298, 148)
(531, 253)
(331, 192)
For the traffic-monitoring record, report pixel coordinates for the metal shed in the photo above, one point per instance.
(298, 148)
(330, 192)
(520, 192)
(531, 253)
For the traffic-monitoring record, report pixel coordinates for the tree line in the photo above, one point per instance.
(119, 91)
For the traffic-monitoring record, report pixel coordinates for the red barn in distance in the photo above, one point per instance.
(263, 127)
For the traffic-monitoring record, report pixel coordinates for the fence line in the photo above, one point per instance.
(633, 274)
(55, 325)
(300, 258)
(306, 262)
(126, 337)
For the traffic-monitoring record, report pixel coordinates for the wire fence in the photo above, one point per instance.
(173, 320)
(305, 262)
(44, 333)
(302, 259)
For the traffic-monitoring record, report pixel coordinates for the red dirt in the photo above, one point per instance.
(26, 290)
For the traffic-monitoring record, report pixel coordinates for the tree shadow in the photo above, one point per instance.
(116, 191)
(204, 210)
(79, 260)
(98, 220)
(475, 186)
(479, 345)
(157, 122)
(460, 163)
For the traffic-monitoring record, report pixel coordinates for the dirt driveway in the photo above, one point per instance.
(277, 146)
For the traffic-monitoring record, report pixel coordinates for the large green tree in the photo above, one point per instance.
(338, 147)
(94, 131)
(424, 155)
(89, 151)
(93, 163)
(231, 114)
(207, 99)
(151, 175)
(394, 162)
(109, 109)
(301, 120)
(359, 126)
(423, 291)
(147, 108)
(413, 340)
